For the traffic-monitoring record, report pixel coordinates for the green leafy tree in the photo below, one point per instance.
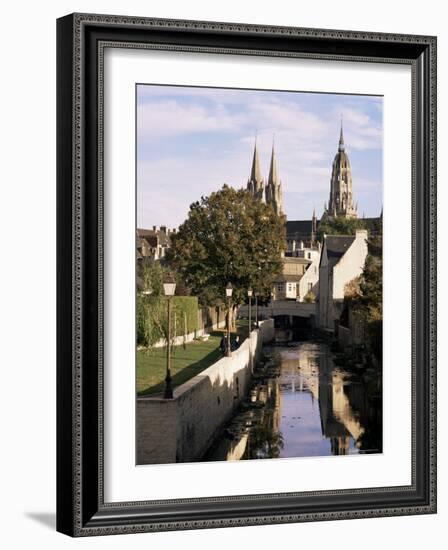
(150, 277)
(371, 287)
(338, 226)
(365, 294)
(228, 237)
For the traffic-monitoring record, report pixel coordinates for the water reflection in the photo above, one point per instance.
(302, 404)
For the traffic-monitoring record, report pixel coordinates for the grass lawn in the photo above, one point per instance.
(185, 363)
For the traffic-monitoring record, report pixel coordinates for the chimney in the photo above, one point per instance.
(154, 227)
(163, 228)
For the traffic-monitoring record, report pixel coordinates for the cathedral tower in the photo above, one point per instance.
(255, 184)
(274, 192)
(341, 192)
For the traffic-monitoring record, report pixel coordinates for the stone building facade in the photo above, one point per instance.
(342, 260)
(152, 244)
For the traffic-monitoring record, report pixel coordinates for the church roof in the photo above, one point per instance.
(302, 227)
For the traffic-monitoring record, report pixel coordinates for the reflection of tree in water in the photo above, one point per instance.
(366, 402)
(265, 441)
(350, 405)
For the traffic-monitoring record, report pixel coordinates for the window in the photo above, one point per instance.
(310, 287)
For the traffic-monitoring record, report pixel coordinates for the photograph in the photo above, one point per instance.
(258, 274)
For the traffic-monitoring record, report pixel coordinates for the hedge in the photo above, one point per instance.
(152, 317)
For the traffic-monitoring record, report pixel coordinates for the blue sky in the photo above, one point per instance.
(190, 141)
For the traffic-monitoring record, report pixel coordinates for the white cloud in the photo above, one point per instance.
(169, 118)
(306, 143)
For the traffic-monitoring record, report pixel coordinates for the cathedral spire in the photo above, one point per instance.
(255, 174)
(273, 176)
(255, 183)
(341, 139)
(274, 193)
(341, 203)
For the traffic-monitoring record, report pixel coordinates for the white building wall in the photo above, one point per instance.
(332, 283)
(350, 265)
(311, 276)
(291, 290)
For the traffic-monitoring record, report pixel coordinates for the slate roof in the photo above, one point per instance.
(302, 227)
(288, 278)
(336, 246)
(150, 235)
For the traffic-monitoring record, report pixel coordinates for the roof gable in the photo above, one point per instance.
(335, 246)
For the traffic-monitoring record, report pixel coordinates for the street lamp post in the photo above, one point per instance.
(249, 294)
(169, 287)
(229, 291)
(256, 309)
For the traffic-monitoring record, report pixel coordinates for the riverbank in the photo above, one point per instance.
(187, 360)
(182, 429)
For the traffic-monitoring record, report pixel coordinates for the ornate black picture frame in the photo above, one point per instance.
(81, 509)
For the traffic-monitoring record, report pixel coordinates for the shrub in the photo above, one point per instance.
(310, 297)
(152, 317)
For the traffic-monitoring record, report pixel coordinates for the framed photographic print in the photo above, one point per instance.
(246, 274)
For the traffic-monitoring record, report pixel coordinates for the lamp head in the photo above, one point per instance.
(169, 285)
(229, 290)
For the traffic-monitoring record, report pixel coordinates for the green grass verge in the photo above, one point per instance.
(185, 363)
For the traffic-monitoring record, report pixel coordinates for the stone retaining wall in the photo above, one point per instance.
(182, 429)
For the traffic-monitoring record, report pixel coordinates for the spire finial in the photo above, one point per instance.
(341, 136)
(273, 175)
(255, 175)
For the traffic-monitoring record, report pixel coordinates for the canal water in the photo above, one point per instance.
(303, 402)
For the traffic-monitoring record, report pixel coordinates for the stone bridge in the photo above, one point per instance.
(278, 308)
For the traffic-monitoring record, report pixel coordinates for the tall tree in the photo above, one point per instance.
(228, 237)
(338, 226)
